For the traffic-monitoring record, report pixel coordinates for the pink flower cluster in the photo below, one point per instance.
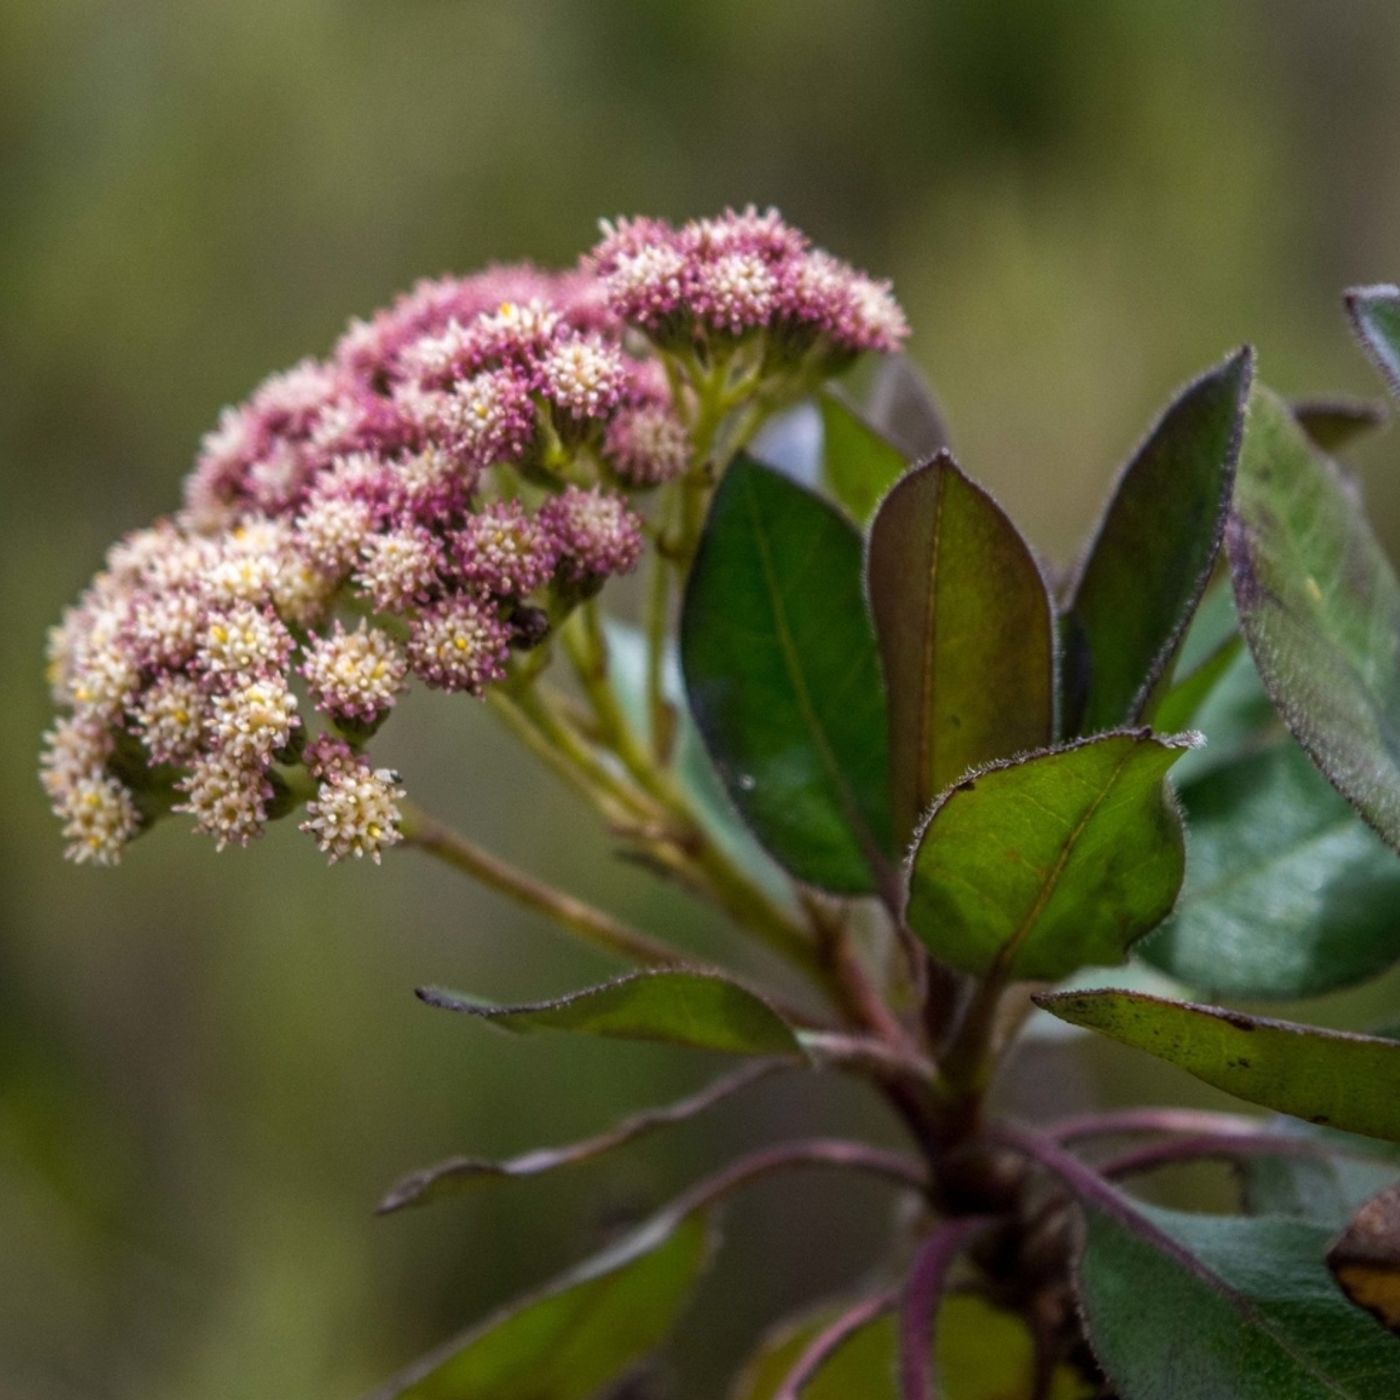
(740, 273)
(416, 505)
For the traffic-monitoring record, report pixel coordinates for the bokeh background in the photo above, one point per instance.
(210, 1067)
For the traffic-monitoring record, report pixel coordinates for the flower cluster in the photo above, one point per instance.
(425, 501)
(741, 273)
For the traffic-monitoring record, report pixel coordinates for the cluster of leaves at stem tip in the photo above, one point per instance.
(864, 722)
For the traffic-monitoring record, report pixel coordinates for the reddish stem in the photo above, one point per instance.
(922, 1291)
(830, 1340)
(1215, 1145)
(1148, 1120)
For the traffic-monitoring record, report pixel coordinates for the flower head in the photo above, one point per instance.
(504, 550)
(459, 644)
(597, 534)
(228, 799)
(355, 675)
(355, 811)
(99, 818)
(647, 445)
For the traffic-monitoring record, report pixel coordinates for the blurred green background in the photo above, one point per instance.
(210, 1067)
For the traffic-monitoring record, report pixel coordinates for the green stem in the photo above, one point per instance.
(726, 883)
(660, 712)
(560, 744)
(583, 920)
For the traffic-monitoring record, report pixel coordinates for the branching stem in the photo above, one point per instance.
(583, 920)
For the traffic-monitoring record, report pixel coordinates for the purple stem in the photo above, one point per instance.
(807, 1152)
(414, 1187)
(1219, 1145)
(922, 1291)
(1149, 1120)
(830, 1340)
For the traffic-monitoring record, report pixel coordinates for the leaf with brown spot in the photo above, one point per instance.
(1365, 1260)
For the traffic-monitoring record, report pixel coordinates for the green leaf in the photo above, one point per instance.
(966, 632)
(1198, 1307)
(901, 408)
(1287, 894)
(983, 1353)
(697, 1009)
(581, 1333)
(1336, 423)
(780, 667)
(1375, 315)
(858, 464)
(1320, 608)
(1042, 865)
(1346, 1081)
(1207, 652)
(1153, 553)
(1183, 702)
(1326, 1190)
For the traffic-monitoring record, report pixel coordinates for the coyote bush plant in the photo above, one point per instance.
(948, 783)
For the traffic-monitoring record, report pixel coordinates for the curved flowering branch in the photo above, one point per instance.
(429, 503)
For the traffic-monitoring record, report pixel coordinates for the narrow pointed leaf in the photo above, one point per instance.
(1333, 424)
(581, 1333)
(966, 633)
(1375, 315)
(1320, 608)
(462, 1173)
(1197, 1307)
(1053, 862)
(901, 407)
(781, 671)
(1365, 1261)
(1153, 553)
(1345, 1081)
(858, 464)
(697, 1009)
(1287, 895)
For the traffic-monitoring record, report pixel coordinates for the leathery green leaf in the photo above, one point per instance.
(1153, 553)
(1327, 1190)
(1196, 1307)
(1052, 862)
(1287, 893)
(581, 1333)
(858, 464)
(780, 666)
(966, 633)
(1375, 315)
(697, 1009)
(1335, 1078)
(1320, 608)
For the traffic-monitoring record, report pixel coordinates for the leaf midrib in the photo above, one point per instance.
(1006, 954)
(787, 647)
(924, 792)
(1196, 1267)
